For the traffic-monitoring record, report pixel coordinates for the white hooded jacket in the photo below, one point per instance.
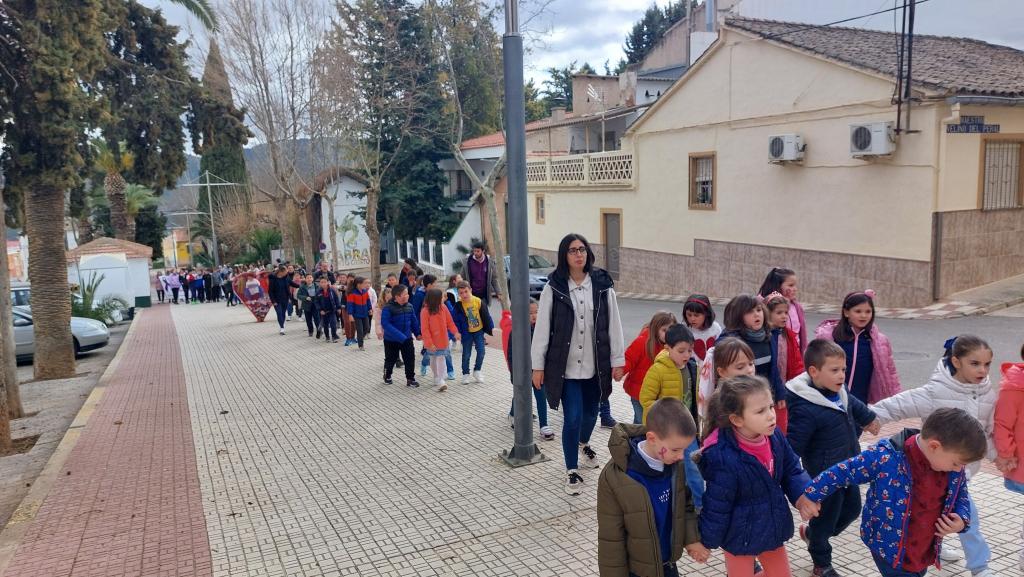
(943, 390)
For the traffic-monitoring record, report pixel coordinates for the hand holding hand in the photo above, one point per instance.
(698, 552)
(1006, 465)
(538, 379)
(808, 509)
(618, 373)
(874, 427)
(949, 524)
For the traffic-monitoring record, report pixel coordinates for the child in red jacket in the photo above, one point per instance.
(788, 356)
(538, 393)
(640, 356)
(1008, 432)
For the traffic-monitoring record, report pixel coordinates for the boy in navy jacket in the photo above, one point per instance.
(400, 324)
(824, 426)
(327, 304)
(918, 492)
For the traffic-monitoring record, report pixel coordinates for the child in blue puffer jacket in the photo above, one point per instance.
(400, 324)
(918, 492)
(750, 471)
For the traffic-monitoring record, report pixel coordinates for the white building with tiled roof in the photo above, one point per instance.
(780, 147)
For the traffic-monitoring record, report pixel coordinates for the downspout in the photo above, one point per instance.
(937, 215)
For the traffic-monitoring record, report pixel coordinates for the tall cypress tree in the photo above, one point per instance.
(223, 134)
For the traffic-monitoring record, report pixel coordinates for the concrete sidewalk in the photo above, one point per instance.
(293, 458)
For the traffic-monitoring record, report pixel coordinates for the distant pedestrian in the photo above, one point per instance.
(359, 308)
(326, 304)
(279, 285)
(480, 271)
(173, 283)
(157, 280)
(306, 294)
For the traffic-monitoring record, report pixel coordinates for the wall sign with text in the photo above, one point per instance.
(972, 125)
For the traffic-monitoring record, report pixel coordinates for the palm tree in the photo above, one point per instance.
(114, 184)
(202, 10)
(137, 197)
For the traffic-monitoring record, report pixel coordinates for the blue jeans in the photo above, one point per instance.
(1015, 486)
(886, 569)
(976, 551)
(469, 341)
(542, 406)
(280, 309)
(693, 478)
(638, 411)
(580, 398)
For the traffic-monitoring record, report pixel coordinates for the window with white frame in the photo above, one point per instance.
(1002, 179)
(702, 181)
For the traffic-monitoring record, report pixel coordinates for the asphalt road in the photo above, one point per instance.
(917, 344)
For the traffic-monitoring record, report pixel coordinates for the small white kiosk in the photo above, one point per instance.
(125, 267)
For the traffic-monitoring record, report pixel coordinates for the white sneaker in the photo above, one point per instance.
(986, 572)
(441, 386)
(547, 433)
(573, 483)
(478, 376)
(281, 332)
(467, 380)
(588, 458)
(951, 553)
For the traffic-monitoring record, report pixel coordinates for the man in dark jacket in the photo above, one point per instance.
(824, 426)
(645, 513)
(479, 270)
(279, 290)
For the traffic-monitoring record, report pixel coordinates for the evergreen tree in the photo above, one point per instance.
(150, 227)
(651, 28)
(475, 50)
(536, 106)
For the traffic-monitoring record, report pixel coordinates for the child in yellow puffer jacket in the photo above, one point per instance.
(674, 374)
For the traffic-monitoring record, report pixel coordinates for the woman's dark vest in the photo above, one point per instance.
(560, 338)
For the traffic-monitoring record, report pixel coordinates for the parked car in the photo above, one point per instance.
(87, 334)
(20, 292)
(540, 268)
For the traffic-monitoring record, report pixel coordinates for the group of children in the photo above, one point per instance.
(761, 418)
(420, 310)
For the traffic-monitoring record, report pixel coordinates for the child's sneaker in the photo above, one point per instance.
(588, 458)
(547, 433)
(451, 375)
(280, 332)
(387, 380)
(441, 386)
(467, 380)
(348, 342)
(951, 553)
(319, 331)
(423, 370)
(478, 376)
(334, 340)
(310, 334)
(826, 571)
(573, 483)
(413, 384)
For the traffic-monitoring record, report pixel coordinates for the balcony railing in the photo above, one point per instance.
(600, 168)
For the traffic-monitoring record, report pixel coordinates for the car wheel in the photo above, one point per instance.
(78, 349)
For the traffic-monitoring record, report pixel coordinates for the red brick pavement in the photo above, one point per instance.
(127, 501)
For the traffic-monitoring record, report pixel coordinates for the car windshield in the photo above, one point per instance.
(537, 261)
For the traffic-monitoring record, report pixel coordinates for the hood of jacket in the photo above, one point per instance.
(638, 464)
(1013, 377)
(397, 309)
(944, 378)
(802, 387)
(598, 276)
(899, 439)
(619, 446)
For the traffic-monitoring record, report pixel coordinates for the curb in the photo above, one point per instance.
(14, 531)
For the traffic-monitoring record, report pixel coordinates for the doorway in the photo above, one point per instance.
(611, 237)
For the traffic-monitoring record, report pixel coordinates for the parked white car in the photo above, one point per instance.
(88, 334)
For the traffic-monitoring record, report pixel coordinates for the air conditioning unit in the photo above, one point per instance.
(785, 148)
(872, 139)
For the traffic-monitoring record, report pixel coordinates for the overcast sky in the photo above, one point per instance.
(593, 30)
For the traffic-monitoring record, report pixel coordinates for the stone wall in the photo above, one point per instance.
(723, 269)
(979, 248)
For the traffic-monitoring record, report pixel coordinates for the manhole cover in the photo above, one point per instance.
(909, 356)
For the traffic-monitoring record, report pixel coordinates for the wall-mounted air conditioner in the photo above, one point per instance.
(872, 139)
(785, 148)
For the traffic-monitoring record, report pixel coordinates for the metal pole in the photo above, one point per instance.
(525, 451)
(213, 228)
(188, 239)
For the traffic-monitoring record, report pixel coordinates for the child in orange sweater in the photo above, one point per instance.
(436, 323)
(1008, 432)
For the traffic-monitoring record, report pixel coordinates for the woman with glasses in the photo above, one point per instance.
(577, 349)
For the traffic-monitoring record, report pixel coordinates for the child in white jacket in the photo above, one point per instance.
(961, 381)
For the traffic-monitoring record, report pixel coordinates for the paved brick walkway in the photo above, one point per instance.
(127, 499)
(309, 465)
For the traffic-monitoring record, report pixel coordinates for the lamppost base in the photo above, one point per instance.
(522, 455)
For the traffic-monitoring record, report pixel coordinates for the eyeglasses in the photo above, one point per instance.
(579, 250)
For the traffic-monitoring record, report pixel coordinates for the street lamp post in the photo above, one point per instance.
(525, 451)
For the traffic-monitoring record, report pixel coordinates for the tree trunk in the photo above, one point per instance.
(114, 184)
(48, 273)
(307, 236)
(131, 229)
(281, 208)
(332, 229)
(498, 248)
(10, 397)
(85, 230)
(372, 231)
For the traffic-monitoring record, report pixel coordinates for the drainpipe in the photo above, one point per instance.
(937, 216)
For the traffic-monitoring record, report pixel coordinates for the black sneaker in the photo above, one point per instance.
(573, 483)
(399, 364)
(413, 384)
(318, 332)
(826, 571)
(387, 380)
